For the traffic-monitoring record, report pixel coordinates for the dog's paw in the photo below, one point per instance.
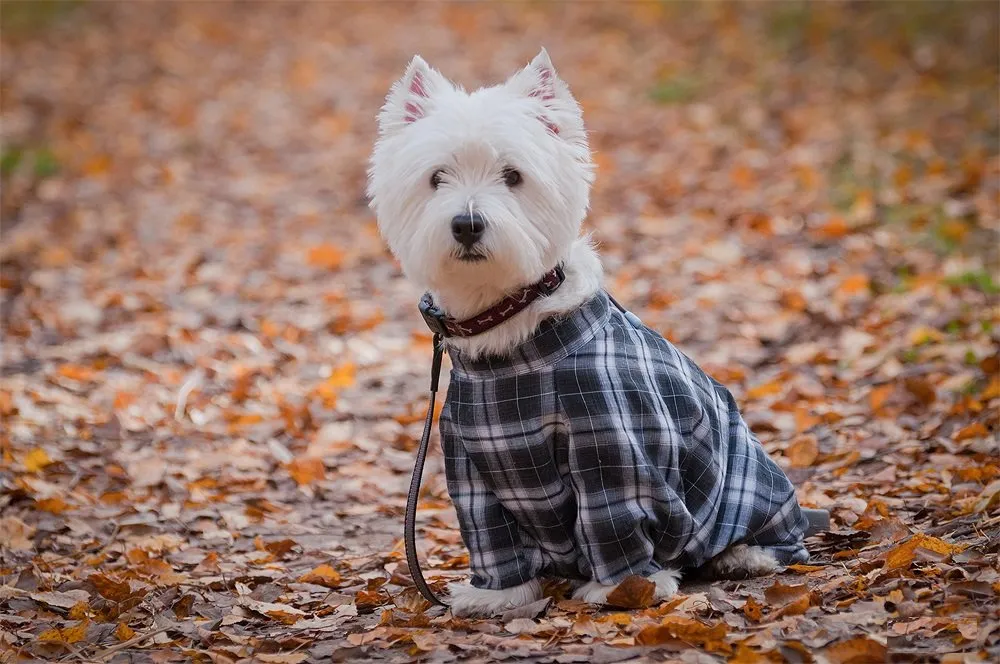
(667, 582)
(467, 600)
(742, 561)
(593, 592)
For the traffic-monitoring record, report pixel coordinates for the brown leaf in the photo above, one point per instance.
(859, 650)
(116, 591)
(779, 594)
(307, 470)
(123, 632)
(687, 630)
(634, 592)
(324, 575)
(921, 389)
(803, 452)
(795, 607)
(753, 610)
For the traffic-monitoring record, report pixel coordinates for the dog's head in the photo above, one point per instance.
(488, 188)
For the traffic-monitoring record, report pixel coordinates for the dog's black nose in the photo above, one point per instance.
(468, 228)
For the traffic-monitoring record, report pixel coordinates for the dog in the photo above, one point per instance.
(578, 443)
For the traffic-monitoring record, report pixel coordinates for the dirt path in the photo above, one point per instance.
(213, 372)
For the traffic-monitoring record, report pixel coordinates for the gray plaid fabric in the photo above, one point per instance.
(598, 450)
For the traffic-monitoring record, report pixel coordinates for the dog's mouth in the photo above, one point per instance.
(470, 256)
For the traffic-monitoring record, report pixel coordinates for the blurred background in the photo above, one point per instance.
(205, 338)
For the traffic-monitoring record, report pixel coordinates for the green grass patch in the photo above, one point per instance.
(980, 280)
(10, 159)
(676, 90)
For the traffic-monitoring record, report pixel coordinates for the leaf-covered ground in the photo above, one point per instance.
(213, 373)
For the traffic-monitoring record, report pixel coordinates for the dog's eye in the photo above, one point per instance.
(436, 178)
(511, 177)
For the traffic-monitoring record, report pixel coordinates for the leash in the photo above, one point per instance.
(410, 520)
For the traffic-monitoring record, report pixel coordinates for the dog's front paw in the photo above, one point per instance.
(593, 592)
(467, 600)
(666, 580)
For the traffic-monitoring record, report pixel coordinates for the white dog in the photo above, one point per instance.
(481, 197)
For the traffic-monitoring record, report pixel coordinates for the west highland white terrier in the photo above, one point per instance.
(578, 443)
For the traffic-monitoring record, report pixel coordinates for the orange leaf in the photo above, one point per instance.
(76, 372)
(686, 630)
(307, 470)
(635, 592)
(796, 607)
(879, 395)
(36, 459)
(859, 650)
(53, 505)
(342, 376)
(765, 390)
(72, 634)
(753, 610)
(324, 575)
(326, 256)
(974, 430)
(835, 227)
(124, 632)
(803, 452)
(904, 554)
(853, 285)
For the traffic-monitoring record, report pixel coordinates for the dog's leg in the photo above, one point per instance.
(666, 580)
(467, 600)
(742, 561)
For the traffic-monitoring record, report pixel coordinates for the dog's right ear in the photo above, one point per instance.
(411, 97)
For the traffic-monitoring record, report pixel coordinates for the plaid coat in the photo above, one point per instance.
(598, 450)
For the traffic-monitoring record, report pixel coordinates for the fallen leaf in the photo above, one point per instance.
(634, 592)
(326, 256)
(803, 451)
(324, 575)
(36, 460)
(904, 554)
(859, 650)
(307, 470)
(779, 594)
(753, 610)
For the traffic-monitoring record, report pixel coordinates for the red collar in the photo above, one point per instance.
(511, 305)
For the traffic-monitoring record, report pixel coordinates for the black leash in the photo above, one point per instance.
(410, 520)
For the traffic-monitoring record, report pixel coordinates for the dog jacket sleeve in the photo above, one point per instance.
(597, 450)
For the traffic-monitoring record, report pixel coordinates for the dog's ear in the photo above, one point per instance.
(540, 81)
(410, 97)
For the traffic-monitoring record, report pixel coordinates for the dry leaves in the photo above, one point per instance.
(213, 373)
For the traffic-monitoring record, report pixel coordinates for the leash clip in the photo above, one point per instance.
(433, 316)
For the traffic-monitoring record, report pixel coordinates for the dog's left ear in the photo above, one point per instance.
(562, 115)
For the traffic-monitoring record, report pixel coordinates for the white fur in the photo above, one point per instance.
(667, 581)
(742, 561)
(427, 124)
(467, 600)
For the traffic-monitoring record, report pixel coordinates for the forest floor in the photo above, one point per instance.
(214, 374)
